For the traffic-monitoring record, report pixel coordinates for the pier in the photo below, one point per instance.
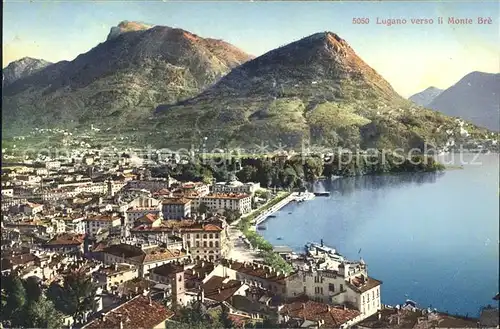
(262, 217)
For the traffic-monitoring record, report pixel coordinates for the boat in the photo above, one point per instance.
(322, 193)
(289, 213)
(261, 228)
(279, 238)
(271, 216)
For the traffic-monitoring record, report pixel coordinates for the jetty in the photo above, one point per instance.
(322, 193)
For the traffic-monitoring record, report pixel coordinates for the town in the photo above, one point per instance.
(96, 242)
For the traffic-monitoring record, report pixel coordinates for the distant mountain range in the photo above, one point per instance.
(425, 97)
(120, 80)
(475, 98)
(173, 87)
(316, 90)
(22, 68)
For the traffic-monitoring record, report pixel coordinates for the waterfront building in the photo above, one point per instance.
(241, 203)
(327, 277)
(236, 187)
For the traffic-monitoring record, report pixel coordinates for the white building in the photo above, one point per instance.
(236, 187)
(336, 282)
(98, 223)
(221, 202)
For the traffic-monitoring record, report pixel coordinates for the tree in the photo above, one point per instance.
(76, 296)
(33, 291)
(203, 208)
(15, 298)
(41, 313)
(231, 215)
(247, 173)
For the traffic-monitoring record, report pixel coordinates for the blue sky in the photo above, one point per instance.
(410, 57)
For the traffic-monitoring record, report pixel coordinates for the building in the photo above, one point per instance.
(241, 203)
(204, 240)
(145, 258)
(235, 187)
(307, 314)
(98, 223)
(171, 274)
(110, 277)
(65, 244)
(139, 312)
(32, 208)
(198, 188)
(337, 282)
(176, 208)
(254, 275)
(133, 214)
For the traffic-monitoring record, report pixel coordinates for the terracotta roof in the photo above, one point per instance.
(226, 196)
(14, 260)
(177, 201)
(148, 218)
(168, 269)
(238, 320)
(360, 284)
(66, 239)
(140, 256)
(197, 273)
(216, 290)
(184, 225)
(263, 272)
(333, 317)
(139, 312)
(102, 218)
(115, 269)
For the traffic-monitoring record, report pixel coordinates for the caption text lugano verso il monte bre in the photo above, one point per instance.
(391, 21)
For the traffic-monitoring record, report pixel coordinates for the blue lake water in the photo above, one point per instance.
(432, 238)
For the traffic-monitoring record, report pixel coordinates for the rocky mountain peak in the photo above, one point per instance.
(127, 26)
(22, 68)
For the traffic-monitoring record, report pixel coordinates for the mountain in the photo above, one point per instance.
(22, 68)
(424, 98)
(120, 80)
(476, 98)
(314, 90)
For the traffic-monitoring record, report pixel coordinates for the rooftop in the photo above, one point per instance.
(226, 196)
(256, 270)
(362, 284)
(219, 289)
(176, 201)
(66, 239)
(333, 317)
(139, 312)
(168, 269)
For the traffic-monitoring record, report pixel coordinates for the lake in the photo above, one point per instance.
(432, 238)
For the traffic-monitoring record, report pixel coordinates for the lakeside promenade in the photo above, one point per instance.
(238, 249)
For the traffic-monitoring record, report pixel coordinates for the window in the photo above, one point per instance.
(197, 236)
(204, 244)
(210, 236)
(204, 236)
(321, 290)
(216, 235)
(211, 244)
(331, 287)
(305, 290)
(216, 244)
(304, 278)
(341, 287)
(187, 236)
(197, 244)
